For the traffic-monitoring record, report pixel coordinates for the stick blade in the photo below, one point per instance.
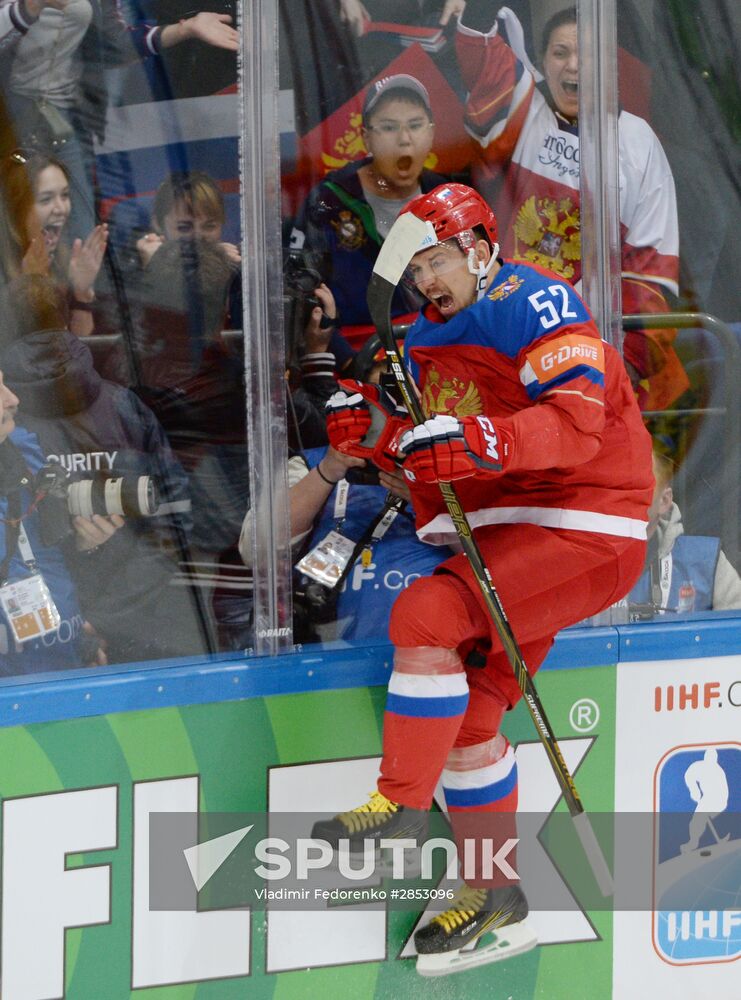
(406, 237)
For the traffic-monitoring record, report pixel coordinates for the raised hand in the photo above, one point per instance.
(452, 8)
(87, 256)
(354, 15)
(232, 254)
(147, 246)
(36, 259)
(318, 332)
(213, 29)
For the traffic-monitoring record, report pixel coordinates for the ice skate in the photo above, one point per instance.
(481, 926)
(377, 819)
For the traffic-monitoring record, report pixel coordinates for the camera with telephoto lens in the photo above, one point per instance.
(127, 495)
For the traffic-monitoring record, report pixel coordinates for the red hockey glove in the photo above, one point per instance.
(365, 421)
(444, 449)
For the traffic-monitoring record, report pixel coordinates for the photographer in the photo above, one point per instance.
(41, 624)
(316, 352)
(98, 431)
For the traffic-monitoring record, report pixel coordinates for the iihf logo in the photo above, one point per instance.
(697, 791)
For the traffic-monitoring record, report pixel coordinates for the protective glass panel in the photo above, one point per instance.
(121, 225)
(677, 76)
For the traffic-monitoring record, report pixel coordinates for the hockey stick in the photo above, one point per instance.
(407, 237)
(719, 840)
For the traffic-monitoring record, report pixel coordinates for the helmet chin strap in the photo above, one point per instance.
(481, 270)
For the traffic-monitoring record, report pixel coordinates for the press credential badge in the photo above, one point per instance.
(30, 608)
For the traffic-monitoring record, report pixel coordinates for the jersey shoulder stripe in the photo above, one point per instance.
(524, 305)
(563, 359)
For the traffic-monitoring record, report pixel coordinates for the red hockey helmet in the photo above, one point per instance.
(454, 209)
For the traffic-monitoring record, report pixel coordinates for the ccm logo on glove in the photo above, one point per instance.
(444, 449)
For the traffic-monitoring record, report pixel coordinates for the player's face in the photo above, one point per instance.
(441, 274)
(561, 69)
(8, 406)
(52, 204)
(399, 137)
(181, 223)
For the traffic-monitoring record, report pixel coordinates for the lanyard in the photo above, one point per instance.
(15, 538)
(380, 524)
(387, 518)
(392, 507)
(660, 581)
(340, 501)
(24, 547)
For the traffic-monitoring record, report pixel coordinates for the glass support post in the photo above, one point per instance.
(599, 166)
(264, 347)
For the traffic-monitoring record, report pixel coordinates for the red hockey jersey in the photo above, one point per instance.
(528, 356)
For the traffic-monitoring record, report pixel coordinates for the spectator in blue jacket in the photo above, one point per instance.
(35, 642)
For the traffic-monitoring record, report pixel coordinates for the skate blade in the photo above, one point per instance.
(509, 941)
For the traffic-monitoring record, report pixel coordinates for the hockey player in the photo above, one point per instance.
(534, 418)
(529, 134)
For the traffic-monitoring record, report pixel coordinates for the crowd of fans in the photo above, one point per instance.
(124, 445)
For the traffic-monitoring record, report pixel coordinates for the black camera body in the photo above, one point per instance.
(303, 272)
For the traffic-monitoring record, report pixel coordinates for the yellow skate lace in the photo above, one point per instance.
(467, 904)
(373, 813)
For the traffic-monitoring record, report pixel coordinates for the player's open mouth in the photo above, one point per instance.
(571, 87)
(444, 302)
(403, 164)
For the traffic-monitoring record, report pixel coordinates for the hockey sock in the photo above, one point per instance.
(480, 785)
(427, 698)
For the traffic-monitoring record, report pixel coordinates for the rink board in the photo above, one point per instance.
(230, 754)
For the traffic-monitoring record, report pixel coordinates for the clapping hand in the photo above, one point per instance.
(213, 29)
(36, 258)
(87, 256)
(147, 246)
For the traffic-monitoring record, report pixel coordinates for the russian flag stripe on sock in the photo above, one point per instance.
(427, 696)
(481, 785)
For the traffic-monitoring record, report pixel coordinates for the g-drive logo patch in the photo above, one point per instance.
(697, 790)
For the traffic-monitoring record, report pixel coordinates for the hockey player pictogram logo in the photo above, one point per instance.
(450, 396)
(350, 230)
(547, 233)
(506, 289)
(698, 855)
